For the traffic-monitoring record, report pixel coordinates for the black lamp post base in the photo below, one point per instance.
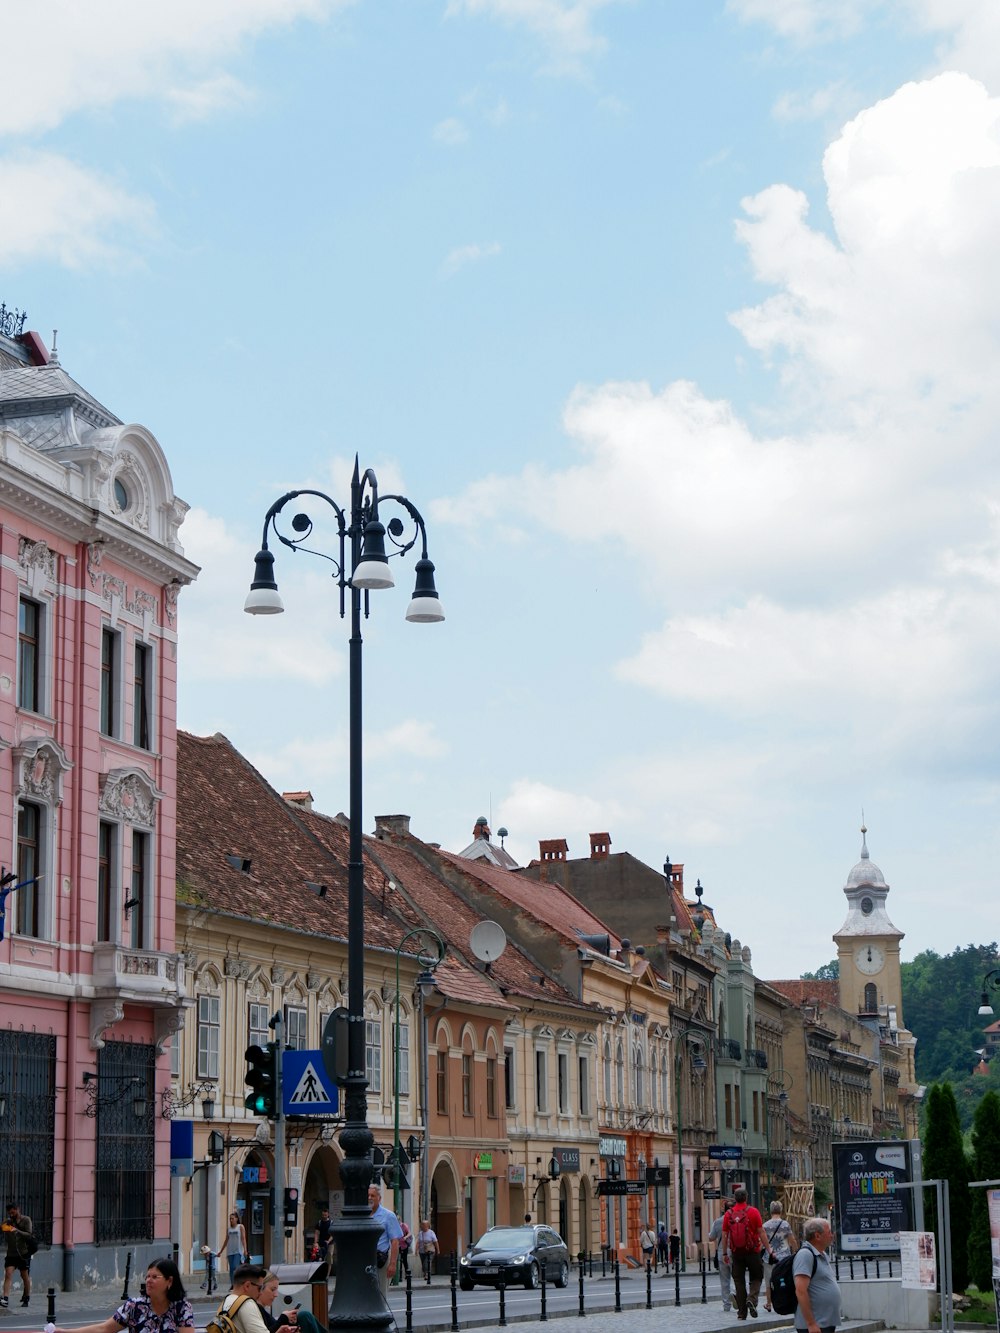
(357, 1305)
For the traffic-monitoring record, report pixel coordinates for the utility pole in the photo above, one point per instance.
(277, 1024)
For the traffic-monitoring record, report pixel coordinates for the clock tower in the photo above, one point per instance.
(868, 944)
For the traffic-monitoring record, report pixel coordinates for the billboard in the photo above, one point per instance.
(870, 1212)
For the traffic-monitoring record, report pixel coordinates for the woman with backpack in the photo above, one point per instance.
(781, 1239)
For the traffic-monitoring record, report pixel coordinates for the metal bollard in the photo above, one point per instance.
(503, 1304)
(649, 1285)
(877, 1273)
(850, 1262)
(128, 1274)
(544, 1317)
(51, 1314)
(604, 1252)
(704, 1280)
(618, 1287)
(677, 1283)
(890, 1268)
(591, 1258)
(836, 1266)
(581, 1313)
(454, 1292)
(409, 1297)
(864, 1266)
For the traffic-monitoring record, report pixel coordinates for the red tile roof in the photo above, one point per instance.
(806, 992)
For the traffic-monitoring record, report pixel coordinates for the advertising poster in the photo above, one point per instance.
(993, 1204)
(917, 1261)
(870, 1212)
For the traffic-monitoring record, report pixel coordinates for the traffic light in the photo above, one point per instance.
(261, 1077)
(291, 1209)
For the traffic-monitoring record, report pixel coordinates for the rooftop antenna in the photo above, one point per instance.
(54, 354)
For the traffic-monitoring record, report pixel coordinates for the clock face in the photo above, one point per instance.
(869, 959)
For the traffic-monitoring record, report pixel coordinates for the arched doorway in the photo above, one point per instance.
(565, 1214)
(322, 1188)
(445, 1208)
(584, 1238)
(253, 1194)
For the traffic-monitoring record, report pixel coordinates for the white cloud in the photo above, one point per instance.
(463, 255)
(564, 27)
(202, 100)
(67, 213)
(451, 132)
(835, 100)
(71, 56)
(806, 19)
(222, 643)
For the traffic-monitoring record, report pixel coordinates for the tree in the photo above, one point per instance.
(945, 1159)
(828, 972)
(985, 1166)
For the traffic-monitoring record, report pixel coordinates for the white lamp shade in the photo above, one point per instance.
(263, 602)
(425, 611)
(373, 574)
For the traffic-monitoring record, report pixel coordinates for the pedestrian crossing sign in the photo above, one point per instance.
(306, 1086)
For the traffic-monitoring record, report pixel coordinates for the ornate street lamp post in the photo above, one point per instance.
(360, 565)
(991, 981)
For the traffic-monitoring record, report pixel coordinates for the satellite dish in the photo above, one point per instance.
(263, 1132)
(488, 941)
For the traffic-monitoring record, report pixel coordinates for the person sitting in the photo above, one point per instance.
(295, 1318)
(241, 1303)
(165, 1307)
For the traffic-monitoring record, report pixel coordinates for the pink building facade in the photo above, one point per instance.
(90, 986)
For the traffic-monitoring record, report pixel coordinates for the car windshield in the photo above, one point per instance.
(506, 1238)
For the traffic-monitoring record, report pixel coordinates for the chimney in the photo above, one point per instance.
(392, 826)
(553, 849)
(303, 799)
(481, 829)
(600, 846)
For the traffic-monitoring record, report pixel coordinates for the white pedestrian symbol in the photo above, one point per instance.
(309, 1090)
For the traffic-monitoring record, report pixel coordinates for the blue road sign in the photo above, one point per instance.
(305, 1085)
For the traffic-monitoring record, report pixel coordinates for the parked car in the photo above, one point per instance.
(515, 1254)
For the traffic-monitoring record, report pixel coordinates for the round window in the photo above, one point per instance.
(867, 906)
(121, 494)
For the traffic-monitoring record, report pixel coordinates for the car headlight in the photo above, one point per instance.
(520, 1259)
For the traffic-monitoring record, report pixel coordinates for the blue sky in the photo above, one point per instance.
(677, 320)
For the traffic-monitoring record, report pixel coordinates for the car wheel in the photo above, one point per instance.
(531, 1280)
(563, 1279)
(465, 1283)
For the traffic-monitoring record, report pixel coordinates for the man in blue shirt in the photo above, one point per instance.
(388, 1242)
(815, 1284)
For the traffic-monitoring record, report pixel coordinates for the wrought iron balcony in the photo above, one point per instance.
(727, 1049)
(758, 1059)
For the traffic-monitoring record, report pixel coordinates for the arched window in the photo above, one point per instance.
(607, 1072)
(620, 1074)
(639, 1082)
(871, 998)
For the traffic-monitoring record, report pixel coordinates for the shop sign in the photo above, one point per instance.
(611, 1146)
(255, 1175)
(568, 1158)
(483, 1161)
(516, 1175)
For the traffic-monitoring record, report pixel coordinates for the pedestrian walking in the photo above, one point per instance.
(743, 1240)
(427, 1247)
(647, 1244)
(675, 1247)
(235, 1245)
(663, 1245)
(782, 1243)
(721, 1260)
(816, 1288)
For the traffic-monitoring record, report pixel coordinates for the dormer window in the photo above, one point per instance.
(122, 497)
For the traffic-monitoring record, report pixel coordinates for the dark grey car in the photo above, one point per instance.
(515, 1254)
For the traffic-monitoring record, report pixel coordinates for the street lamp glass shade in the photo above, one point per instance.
(263, 599)
(985, 1008)
(372, 570)
(425, 607)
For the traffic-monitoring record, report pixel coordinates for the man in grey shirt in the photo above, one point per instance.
(815, 1285)
(722, 1260)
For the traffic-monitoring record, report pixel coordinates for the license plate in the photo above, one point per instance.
(488, 1272)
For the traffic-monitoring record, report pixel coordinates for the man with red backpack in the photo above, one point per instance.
(743, 1239)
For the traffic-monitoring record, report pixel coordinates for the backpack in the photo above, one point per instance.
(782, 1285)
(224, 1321)
(739, 1232)
(28, 1244)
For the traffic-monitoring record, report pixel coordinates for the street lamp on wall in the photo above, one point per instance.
(360, 565)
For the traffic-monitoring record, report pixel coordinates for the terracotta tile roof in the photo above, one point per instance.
(410, 865)
(805, 992)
